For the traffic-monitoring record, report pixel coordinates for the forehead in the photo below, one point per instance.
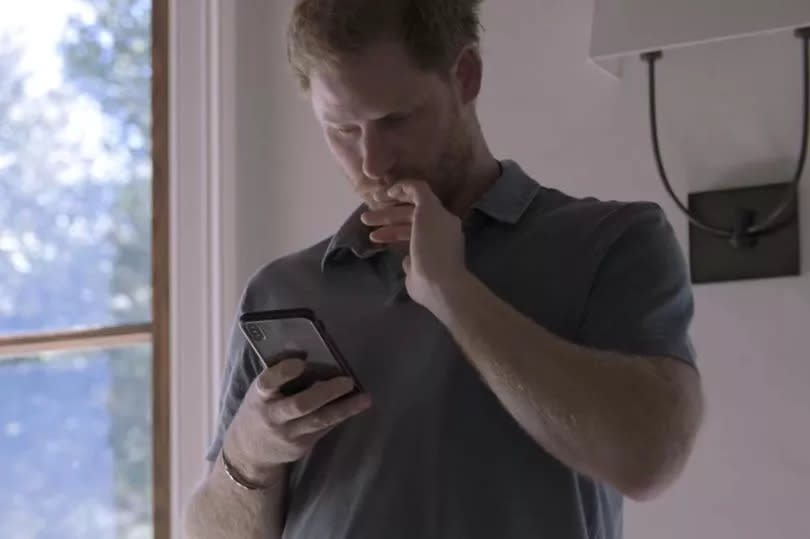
(375, 82)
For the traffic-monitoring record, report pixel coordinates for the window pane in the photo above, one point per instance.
(75, 443)
(75, 163)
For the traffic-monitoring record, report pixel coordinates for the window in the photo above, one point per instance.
(84, 434)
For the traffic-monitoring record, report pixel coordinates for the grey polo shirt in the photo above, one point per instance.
(438, 456)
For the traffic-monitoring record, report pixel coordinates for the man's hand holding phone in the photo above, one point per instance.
(271, 430)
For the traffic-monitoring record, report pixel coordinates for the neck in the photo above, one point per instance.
(482, 172)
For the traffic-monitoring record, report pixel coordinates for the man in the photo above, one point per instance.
(525, 353)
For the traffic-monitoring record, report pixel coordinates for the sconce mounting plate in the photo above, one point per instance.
(714, 259)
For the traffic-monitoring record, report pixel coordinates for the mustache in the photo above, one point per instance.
(368, 185)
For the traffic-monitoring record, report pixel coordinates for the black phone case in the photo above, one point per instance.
(281, 334)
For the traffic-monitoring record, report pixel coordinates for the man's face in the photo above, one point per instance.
(387, 120)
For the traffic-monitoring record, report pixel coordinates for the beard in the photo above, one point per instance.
(445, 177)
(454, 164)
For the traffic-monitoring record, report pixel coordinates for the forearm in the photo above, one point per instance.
(220, 509)
(614, 418)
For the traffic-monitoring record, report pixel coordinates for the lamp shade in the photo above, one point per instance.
(624, 27)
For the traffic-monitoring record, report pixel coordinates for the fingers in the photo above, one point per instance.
(412, 192)
(272, 378)
(394, 215)
(381, 198)
(329, 417)
(391, 234)
(310, 400)
(408, 194)
(394, 222)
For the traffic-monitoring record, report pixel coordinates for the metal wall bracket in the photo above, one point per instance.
(716, 259)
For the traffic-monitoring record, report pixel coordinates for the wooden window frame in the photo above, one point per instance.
(158, 330)
(161, 274)
(194, 227)
(83, 339)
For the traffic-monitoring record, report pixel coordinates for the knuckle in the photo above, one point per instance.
(260, 384)
(279, 411)
(285, 432)
(320, 422)
(267, 382)
(295, 432)
(296, 408)
(335, 416)
(272, 417)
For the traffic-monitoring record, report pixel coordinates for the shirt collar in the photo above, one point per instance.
(507, 201)
(352, 237)
(510, 196)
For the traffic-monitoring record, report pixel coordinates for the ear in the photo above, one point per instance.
(468, 73)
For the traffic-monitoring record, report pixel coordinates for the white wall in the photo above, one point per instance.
(730, 116)
(289, 193)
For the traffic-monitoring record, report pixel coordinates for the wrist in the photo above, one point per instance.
(246, 475)
(241, 479)
(450, 296)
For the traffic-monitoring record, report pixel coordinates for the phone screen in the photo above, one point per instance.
(278, 337)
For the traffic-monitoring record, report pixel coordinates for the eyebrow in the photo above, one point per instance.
(402, 111)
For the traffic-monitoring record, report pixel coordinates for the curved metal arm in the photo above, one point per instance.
(775, 220)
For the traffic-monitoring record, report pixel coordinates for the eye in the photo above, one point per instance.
(393, 120)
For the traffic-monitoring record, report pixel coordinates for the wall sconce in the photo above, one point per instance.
(734, 234)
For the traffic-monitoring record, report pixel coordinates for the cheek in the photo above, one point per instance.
(419, 141)
(430, 139)
(345, 152)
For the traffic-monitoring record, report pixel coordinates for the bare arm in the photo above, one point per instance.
(269, 431)
(629, 421)
(222, 509)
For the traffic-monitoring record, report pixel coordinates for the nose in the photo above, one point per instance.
(378, 154)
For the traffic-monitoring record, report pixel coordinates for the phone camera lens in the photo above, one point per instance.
(255, 332)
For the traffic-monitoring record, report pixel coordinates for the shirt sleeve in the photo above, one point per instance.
(243, 366)
(640, 299)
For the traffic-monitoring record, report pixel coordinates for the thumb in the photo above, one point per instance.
(269, 382)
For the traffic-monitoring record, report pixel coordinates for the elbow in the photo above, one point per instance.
(663, 454)
(655, 470)
(656, 467)
(647, 478)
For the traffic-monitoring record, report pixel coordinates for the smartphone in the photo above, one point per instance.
(296, 333)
